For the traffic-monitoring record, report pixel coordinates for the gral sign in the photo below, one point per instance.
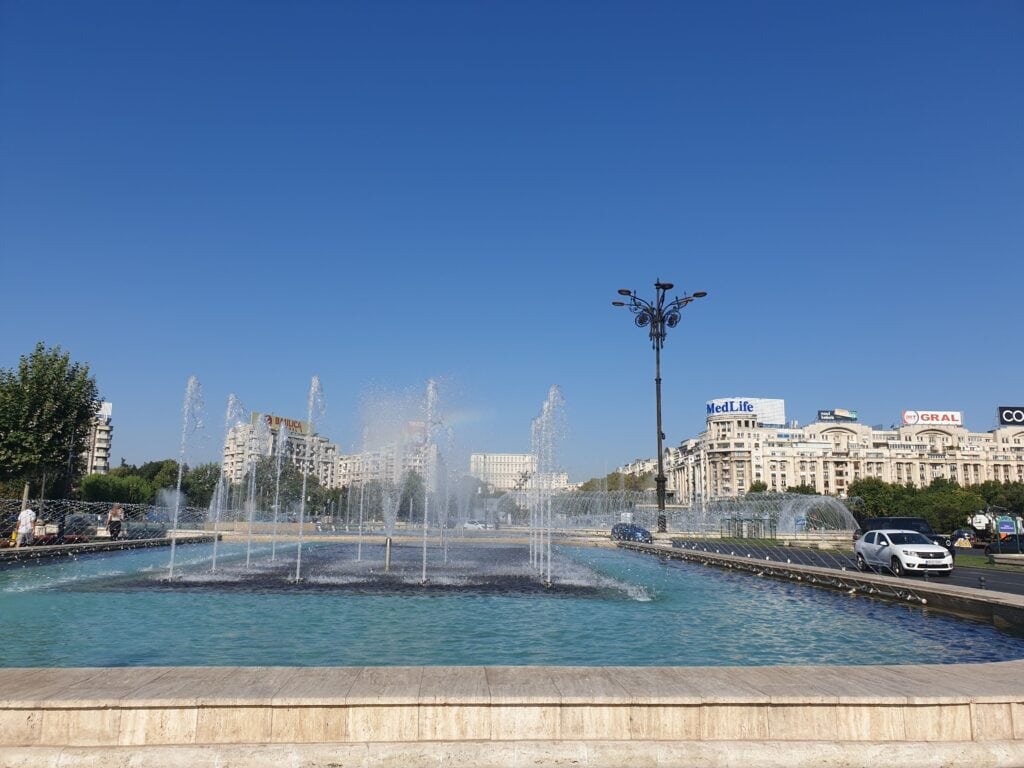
(933, 418)
(274, 422)
(837, 414)
(1010, 415)
(768, 411)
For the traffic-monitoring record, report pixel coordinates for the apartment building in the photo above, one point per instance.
(97, 456)
(307, 451)
(743, 444)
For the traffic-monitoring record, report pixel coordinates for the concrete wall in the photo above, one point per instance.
(509, 716)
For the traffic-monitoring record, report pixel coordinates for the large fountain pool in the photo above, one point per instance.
(606, 607)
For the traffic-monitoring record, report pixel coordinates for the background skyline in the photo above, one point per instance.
(382, 193)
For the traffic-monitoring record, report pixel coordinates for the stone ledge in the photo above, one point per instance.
(193, 706)
(535, 754)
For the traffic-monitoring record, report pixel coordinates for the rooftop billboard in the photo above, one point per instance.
(1010, 415)
(295, 426)
(767, 411)
(837, 414)
(936, 418)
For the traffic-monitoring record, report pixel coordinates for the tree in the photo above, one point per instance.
(946, 506)
(47, 408)
(758, 487)
(128, 489)
(410, 503)
(199, 483)
(290, 487)
(806, 490)
(617, 481)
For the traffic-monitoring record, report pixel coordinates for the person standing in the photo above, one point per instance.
(114, 520)
(26, 527)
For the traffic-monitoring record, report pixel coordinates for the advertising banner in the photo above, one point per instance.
(936, 418)
(1010, 415)
(837, 414)
(768, 411)
(295, 426)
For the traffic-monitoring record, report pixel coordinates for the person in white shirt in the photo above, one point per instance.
(26, 526)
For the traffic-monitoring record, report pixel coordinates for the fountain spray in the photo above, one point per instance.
(260, 445)
(232, 419)
(191, 421)
(282, 442)
(430, 406)
(314, 410)
(547, 430)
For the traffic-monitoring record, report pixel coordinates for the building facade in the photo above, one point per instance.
(738, 449)
(503, 471)
(514, 472)
(411, 451)
(639, 468)
(309, 452)
(97, 456)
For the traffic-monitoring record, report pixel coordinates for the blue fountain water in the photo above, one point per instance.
(608, 608)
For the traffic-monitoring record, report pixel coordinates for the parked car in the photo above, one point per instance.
(1011, 544)
(474, 525)
(918, 524)
(903, 552)
(631, 532)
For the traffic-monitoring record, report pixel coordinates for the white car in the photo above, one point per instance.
(902, 552)
(474, 525)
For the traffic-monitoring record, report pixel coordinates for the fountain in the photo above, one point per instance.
(546, 432)
(314, 411)
(500, 596)
(191, 421)
(282, 442)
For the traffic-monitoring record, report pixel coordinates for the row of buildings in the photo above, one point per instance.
(748, 440)
(409, 451)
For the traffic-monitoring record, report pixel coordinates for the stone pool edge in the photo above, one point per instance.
(965, 714)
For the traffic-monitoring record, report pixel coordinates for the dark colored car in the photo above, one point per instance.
(631, 532)
(1013, 544)
(918, 524)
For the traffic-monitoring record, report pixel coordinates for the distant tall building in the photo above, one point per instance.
(513, 472)
(747, 441)
(409, 452)
(639, 468)
(307, 451)
(503, 471)
(96, 456)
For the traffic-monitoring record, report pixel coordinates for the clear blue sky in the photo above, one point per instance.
(379, 193)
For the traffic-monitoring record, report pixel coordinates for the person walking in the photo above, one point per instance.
(114, 520)
(26, 527)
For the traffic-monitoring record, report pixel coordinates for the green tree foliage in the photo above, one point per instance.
(410, 504)
(616, 481)
(806, 490)
(1009, 496)
(130, 489)
(318, 497)
(757, 487)
(199, 483)
(47, 406)
(944, 504)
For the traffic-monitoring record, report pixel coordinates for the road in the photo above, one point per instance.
(984, 578)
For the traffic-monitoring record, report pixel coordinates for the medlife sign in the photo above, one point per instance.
(767, 411)
(1010, 415)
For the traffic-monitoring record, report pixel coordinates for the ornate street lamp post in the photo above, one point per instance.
(658, 317)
